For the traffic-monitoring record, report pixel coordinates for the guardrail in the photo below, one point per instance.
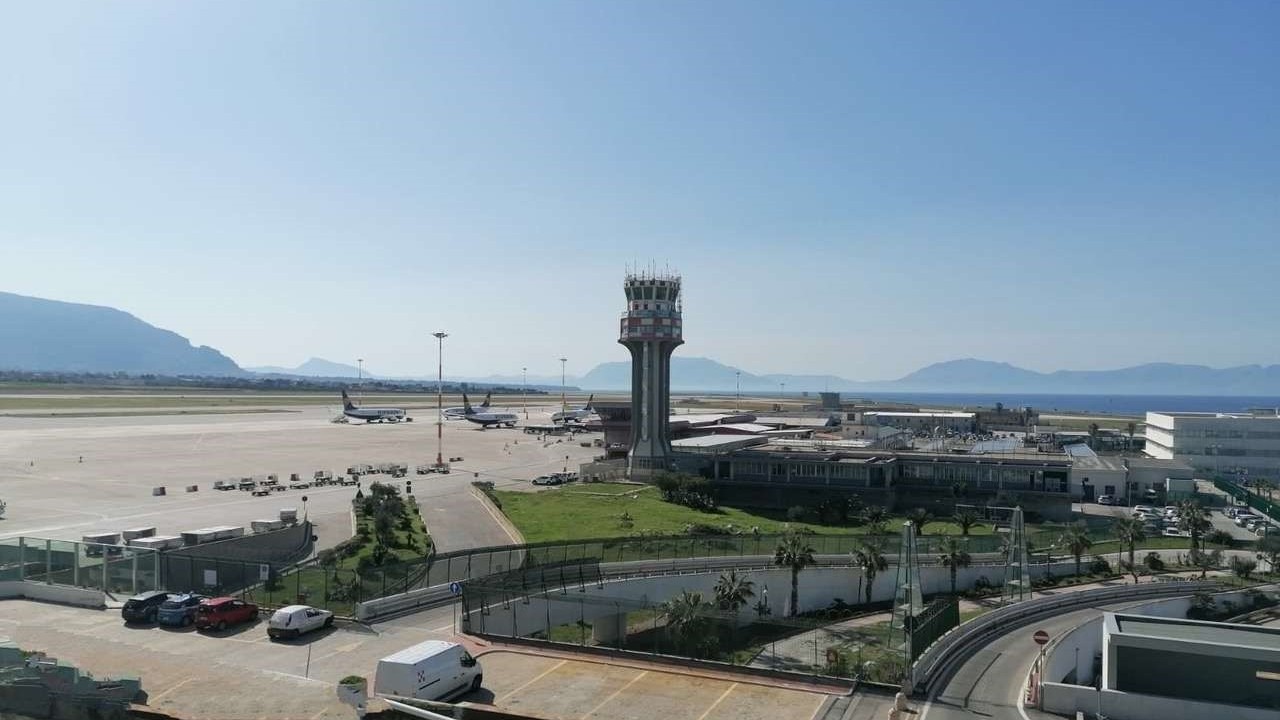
(937, 659)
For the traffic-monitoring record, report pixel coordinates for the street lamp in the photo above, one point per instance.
(1215, 448)
(737, 390)
(783, 392)
(524, 390)
(360, 376)
(440, 336)
(563, 404)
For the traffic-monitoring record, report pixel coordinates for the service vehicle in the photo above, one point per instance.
(143, 607)
(217, 613)
(433, 670)
(294, 620)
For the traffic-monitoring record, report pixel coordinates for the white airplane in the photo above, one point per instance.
(485, 419)
(460, 413)
(574, 414)
(372, 414)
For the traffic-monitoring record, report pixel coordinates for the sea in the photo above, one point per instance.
(1100, 404)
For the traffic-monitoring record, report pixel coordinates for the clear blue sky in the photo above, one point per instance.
(852, 188)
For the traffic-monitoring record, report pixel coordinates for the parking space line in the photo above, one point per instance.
(541, 675)
(822, 699)
(442, 628)
(153, 699)
(720, 699)
(615, 694)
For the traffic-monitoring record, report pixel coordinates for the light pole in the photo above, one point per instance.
(563, 404)
(782, 392)
(1215, 447)
(440, 336)
(524, 390)
(360, 376)
(737, 391)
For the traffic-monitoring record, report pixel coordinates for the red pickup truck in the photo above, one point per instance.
(218, 613)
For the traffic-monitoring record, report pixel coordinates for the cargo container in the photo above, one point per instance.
(158, 542)
(97, 543)
(261, 526)
(211, 534)
(289, 516)
(136, 533)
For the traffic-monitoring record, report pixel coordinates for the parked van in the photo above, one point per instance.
(432, 670)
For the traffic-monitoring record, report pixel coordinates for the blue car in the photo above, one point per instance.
(179, 610)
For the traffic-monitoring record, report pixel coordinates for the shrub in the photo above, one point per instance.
(704, 529)
(1100, 566)
(1153, 561)
(797, 513)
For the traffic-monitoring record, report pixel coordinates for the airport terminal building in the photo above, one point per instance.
(1240, 444)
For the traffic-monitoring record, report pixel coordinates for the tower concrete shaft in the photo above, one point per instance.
(651, 330)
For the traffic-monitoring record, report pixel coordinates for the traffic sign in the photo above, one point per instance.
(455, 588)
(1041, 637)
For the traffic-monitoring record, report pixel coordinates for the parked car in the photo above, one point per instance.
(1106, 500)
(1243, 519)
(547, 480)
(179, 610)
(218, 613)
(143, 607)
(295, 620)
(1175, 532)
(1143, 510)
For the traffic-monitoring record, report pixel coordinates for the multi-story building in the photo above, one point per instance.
(1245, 445)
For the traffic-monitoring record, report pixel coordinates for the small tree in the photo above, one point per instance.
(868, 556)
(689, 623)
(794, 553)
(1206, 561)
(966, 519)
(1130, 532)
(1153, 561)
(1269, 550)
(1077, 541)
(953, 553)
(1242, 567)
(1219, 537)
(733, 592)
(1193, 519)
(919, 517)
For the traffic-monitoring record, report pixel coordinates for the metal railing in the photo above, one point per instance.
(113, 569)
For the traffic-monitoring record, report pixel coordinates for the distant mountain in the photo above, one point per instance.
(49, 335)
(965, 376)
(315, 367)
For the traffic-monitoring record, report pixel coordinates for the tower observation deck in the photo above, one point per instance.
(651, 330)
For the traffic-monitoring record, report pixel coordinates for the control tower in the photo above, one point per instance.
(650, 329)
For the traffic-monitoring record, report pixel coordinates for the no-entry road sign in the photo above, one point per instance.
(1041, 637)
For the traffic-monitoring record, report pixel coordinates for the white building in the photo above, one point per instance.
(1240, 444)
(924, 420)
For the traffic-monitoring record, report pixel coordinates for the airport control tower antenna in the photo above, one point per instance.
(651, 330)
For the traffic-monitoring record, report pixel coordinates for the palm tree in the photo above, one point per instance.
(1076, 538)
(1093, 435)
(1130, 532)
(954, 555)
(919, 517)
(875, 515)
(1193, 519)
(794, 552)
(868, 556)
(966, 519)
(1132, 428)
(688, 621)
(733, 591)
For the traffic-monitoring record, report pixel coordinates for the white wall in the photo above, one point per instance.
(818, 587)
(1077, 648)
(1070, 699)
(82, 597)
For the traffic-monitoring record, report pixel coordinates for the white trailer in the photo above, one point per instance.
(261, 526)
(289, 516)
(158, 542)
(96, 543)
(136, 533)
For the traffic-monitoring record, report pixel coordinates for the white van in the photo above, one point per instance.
(432, 670)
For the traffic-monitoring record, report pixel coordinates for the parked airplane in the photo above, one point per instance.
(485, 419)
(574, 414)
(460, 413)
(372, 414)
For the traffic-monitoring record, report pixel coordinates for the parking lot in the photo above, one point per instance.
(239, 673)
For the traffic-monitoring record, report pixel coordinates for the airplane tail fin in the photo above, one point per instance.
(346, 401)
(590, 398)
(466, 405)
(487, 397)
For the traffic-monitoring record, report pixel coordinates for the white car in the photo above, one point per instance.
(1106, 500)
(1143, 510)
(1244, 519)
(294, 620)
(1175, 532)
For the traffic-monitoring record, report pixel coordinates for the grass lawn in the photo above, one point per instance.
(580, 512)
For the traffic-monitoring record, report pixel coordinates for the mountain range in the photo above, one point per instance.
(53, 336)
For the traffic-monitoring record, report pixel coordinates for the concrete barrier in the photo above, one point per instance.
(61, 594)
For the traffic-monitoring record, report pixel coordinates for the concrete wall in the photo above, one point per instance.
(1075, 650)
(282, 545)
(1070, 699)
(62, 594)
(818, 588)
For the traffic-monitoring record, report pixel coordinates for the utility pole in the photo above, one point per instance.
(440, 336)
(737, 391)
(563, 404)
(360, 376)
(524, 391)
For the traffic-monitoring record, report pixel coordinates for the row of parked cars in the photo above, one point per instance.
(1251, 521)
(219, 613)
(556, 478)
(1160, 521)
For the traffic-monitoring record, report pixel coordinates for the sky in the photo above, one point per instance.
(849, 188)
